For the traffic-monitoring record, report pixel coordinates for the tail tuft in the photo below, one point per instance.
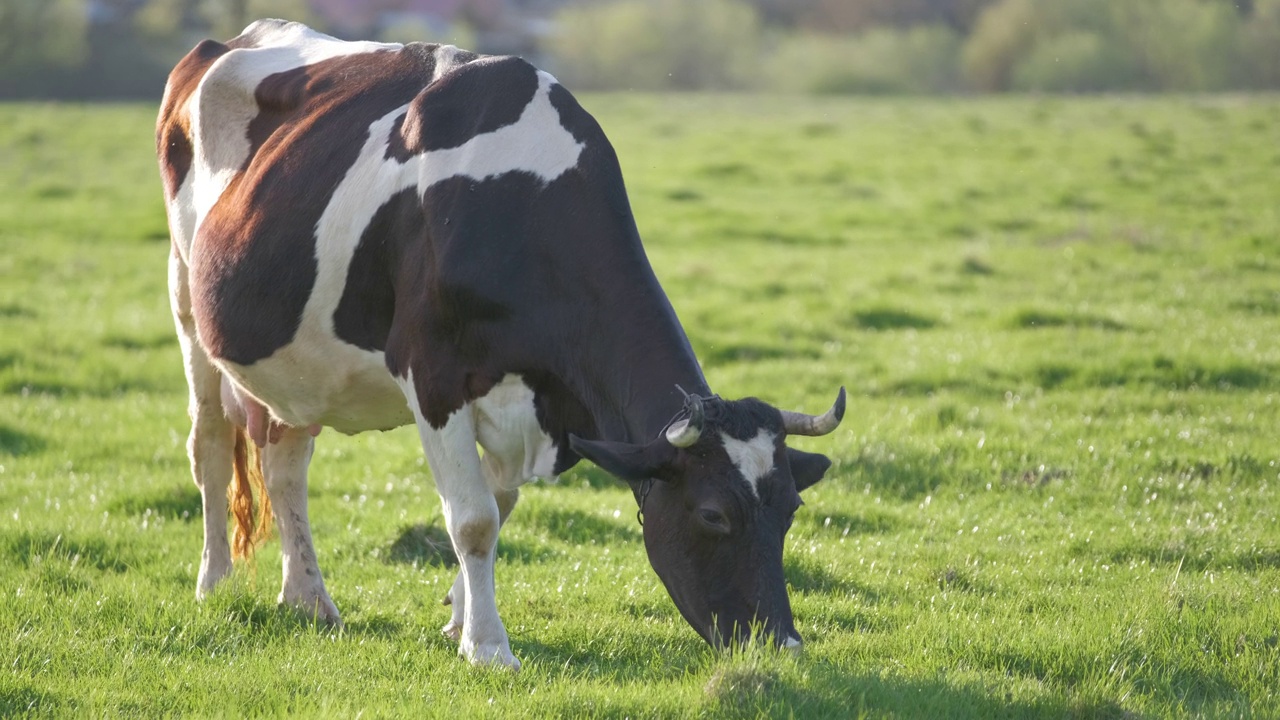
(249, 531)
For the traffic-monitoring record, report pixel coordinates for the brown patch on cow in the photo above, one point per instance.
(173, 126)
(476, 537)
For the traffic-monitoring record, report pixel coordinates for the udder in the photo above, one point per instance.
(244, 410)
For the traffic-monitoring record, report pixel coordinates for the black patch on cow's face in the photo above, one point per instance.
(715, 542)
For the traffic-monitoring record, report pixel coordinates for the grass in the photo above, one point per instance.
(1055, 493)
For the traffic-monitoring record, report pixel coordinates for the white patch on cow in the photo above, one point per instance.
(182, 218)
(536, 144)
(792, 643)
(753, 458)
(516, 450)
(223, 104)
(446, 60)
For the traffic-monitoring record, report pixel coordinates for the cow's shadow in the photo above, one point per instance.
(426, 545)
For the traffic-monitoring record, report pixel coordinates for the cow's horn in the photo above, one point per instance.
(803, 424)
(686, 432)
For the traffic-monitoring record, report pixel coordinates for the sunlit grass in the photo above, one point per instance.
(1054, 493)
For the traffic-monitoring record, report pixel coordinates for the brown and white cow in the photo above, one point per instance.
(367, 235)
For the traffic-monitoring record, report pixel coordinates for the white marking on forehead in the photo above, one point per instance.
(753, 458)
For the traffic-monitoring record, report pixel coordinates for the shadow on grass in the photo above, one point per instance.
(110, 389)
(180, 502)
(1191, 559)
(1031, 319)
(269, 619)
(1192, 690)
(809, 577)
(839, 523)
(423, 545)
(130, 342)
(25, 700)
(429, 545)
(27, 548)
(1160, 372)
(891, 319)
(577, 527)
(379, 626)
(617, 662)
(726, 353)
(831, 692)
(900, 473)
(16, 443)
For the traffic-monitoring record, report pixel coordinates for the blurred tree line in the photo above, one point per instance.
(922, 46)
(124, 48)
(97, 49)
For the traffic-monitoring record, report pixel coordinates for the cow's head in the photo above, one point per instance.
(718, 491)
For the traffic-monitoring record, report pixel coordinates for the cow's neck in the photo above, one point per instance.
(631, 376)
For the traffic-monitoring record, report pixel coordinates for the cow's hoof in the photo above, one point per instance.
(319, 609)
(494, 656)
(211, 573)
(452, 630)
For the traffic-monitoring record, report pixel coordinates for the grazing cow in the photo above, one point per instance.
(368, 235)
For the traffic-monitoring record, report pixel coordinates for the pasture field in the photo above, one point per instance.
(1056, 491)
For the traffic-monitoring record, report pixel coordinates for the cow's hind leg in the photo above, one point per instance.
(472, 518)
(211, 444)
(284, 467)
(457, 596)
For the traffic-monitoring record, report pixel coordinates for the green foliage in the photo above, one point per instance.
(38, 37)
(919, 60)
(1260, 47)
(1055, 492)
(1093, 45)
(657, 44)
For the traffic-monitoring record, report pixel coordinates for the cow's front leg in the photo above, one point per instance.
(472, 518)
(457, 596)
(284, 467)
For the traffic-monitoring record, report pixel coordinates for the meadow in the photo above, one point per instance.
(1055, 492)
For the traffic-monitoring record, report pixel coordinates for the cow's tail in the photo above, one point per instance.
(250, 530)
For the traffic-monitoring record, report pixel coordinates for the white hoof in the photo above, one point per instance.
(211, 573)
(452, 630)
(315, 606)
(495, 656)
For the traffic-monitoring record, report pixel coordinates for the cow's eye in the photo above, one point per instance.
(713, 520)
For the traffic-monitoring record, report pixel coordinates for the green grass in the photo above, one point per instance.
(1055, 493)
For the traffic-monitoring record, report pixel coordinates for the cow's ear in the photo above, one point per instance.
(807, 468)
(626, 461)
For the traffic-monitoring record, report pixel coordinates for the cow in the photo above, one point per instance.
(368, 235)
